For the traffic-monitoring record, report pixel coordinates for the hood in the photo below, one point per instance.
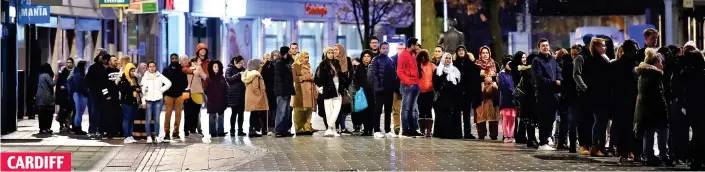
(128, 67)
(647, 69)
(250, 75)
(254, 64)
(200, 47)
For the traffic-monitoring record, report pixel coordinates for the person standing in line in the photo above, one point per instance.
(284, 89)
(192, 105)
(437, 53)
(174, 96)
(396, 99)
(528, 110)
(507, 104)
(651, 110)
(215, 89)
(445, 81)
(112, 109)
(519, 130)
(130, 99)
(426, 95)
(470, 88)
(329, 79)
(267, 71)
(693, 73)
(408, 72)
(255, 97)
(95, 73)
(304, 99)
(141, 69)
(154, 85)
(382, 76)
(64, 98)
(597, 88)
(236, 94)
(44, 100)
(568, 103)
(624, 93)
(548, 79)
(77, 87)
(374, 46)
(361, 81)
(487, 113)
(345, 64)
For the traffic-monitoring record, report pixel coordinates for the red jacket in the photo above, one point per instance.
(407, 68)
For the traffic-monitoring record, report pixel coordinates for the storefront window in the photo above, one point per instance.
(276, 35)
(350, 38)
(311, 40)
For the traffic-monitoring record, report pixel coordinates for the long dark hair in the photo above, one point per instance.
(46, 69)
(80, 68)
(215, 73)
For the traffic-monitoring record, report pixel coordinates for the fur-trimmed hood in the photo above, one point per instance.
(646, 69)
(250, 75)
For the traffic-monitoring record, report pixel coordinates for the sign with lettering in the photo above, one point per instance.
(114, 3)
(30, 14)
(45, 2)
(143, 6)
(316, 9)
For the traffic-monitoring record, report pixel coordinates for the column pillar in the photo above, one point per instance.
(669, 25)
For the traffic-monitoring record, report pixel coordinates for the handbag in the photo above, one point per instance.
(187, 93)
(518, 93)
(360, 101)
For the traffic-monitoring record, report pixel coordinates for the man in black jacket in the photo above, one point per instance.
(63, 99)
(382, 76)
(96, 73)
(173, 99)
(547, 76)
(284, 90)
(267, 71)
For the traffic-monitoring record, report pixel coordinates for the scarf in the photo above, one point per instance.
(342, 58)
(487, 65)
(453, 72)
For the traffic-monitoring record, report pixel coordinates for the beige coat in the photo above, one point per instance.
(255, 91)
(306, 92)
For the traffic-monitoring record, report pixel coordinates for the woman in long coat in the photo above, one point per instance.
(445, 82)
(527, 103)
(304, 101)
(256, 101)
(236, 94)
(651, 110)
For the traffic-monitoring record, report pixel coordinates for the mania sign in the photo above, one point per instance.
(30, 14)
(35, 161)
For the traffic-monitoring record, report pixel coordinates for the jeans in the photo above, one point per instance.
(283, 120)
(648, 136)
(153, 111)
(573, 123)
(409, 109)
(342, 116)
(547, 115)
(214, 128)
(80, 102)
(238, 112)
(128, 112)
(679, 128)
(95, 104)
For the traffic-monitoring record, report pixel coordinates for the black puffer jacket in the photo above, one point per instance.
(283, 77)
(178, 80)
(324, 78)
(236, 88)
(62, 95)
(268, 76)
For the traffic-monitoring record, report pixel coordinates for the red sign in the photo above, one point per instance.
(316, 9)
(35, 161)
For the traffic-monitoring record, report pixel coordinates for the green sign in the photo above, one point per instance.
(149, 7)
(114, 3)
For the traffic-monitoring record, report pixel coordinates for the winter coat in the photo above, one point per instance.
(407, 68)
(111, 87)
(506, 90)
(470, 80)
(651, 108)
(306, 91)
(45, 90)
(153, 86)
(528, 102)
(426, 80)
(78, 84)
(624, 85)
(324, 78)
(129, 94)
(98, 77)
(546, 73)
(382, 73)
(195, 82)
(215, 90)
(267, 72)
(361, 79)
(236, 88)
(255, 91)
(62, 95)
(592, 76)
(178, 80)
(283, 77)
(568, 87)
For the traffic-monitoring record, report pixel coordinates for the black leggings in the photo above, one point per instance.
(257, 118)
(237, 111)
(191, 111)
(45, 115)
(425, 103)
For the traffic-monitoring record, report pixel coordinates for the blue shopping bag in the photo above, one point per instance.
(360, 100)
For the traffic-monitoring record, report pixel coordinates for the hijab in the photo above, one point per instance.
(453, 72)
(342, 58)
(299, 60)
(487, 65)
(128, 67)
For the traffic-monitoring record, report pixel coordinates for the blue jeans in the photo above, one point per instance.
(80, 103)
(95, 103)
(283, 119)
(648, 144)
(341, 119)
(409, 108)
(153, 110)
(213, 128)
(128, 111)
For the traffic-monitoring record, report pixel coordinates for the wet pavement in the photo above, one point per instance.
(305, 153)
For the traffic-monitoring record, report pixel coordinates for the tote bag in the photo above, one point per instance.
(360, 100)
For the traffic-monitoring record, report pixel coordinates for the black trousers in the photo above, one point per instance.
(697, 145)
(563, 121)
(256, 119)
(425, 102)
(66, 113)
(111, 117)
(272, 112)
(464, 110)
(586, 121)
(238, 112)
(191, 111)
(46, 113)
(548, 105)
(679, 128)
(527, 130)
(367, 116)
(383, 101)
(493, 127)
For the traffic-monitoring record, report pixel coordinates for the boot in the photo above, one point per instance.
(596, 152)
(429, 127)
(584, 150)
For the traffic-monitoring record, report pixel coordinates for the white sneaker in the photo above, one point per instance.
(391, 135)
(149, 139)
(328, 133)
(206, 139)
(336, 134)
(129, 140)
(378, 135)
(158, 140)
(546, 147)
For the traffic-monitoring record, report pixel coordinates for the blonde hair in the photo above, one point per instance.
(300, 57)
(595, 42)
(124, 60)
(267, 55)
(651, 56)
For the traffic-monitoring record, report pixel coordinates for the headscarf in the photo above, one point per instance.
(468, 55)
(342, 58)
(300, 59)
(128, 67)
(488, 66)
(453, 72)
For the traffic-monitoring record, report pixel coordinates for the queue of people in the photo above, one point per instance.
(639, 91)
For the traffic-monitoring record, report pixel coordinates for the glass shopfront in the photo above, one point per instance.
(276, 34)
(349, 37)
(311, 40)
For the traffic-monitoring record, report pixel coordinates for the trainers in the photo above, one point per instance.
(149, 139)
(336, 134)
(378, 135)
(206, 139)
(391, 135)
(346, 132)
(328, 133)
(129, 140)
(546, 147)
(158, 140)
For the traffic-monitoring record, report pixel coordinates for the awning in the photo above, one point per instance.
(83, 8)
